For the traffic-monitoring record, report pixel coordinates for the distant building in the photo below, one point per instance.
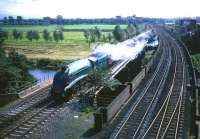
(118, 17)
(186, 22)
(198, 20)
(186, 25)
(131, 19)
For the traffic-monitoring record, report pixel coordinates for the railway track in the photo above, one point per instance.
(19, 120)
(22, 109)
(160, 112)
(23, 124)
(169, 122)
(36, 118)
(138, 111)
(24, 127)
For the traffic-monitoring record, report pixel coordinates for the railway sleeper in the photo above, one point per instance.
(28, 125)
(24, 128)
(37, 119)
(14, 135)
(32, 122)
(20, 131)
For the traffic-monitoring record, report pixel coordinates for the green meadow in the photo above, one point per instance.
(74, 45)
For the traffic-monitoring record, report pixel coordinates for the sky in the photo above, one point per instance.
(99, 8)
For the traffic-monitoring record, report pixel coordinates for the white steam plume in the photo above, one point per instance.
(125, 50)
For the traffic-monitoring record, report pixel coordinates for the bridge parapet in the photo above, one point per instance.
(35, 88)
(25, 91)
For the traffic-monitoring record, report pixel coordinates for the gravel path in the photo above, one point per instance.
(69, 123)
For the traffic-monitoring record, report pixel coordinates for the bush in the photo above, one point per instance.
(13, 71)
(48, 64)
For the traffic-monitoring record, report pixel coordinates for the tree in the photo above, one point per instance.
(55, 36)
(3, 36)
(97, 32)
(136, 28)
(20, 34)
(18, 60)
(46, 35)
(104, 38)
(5, 20)
(32, 35)
(17, 34)
(131, 30)
(118, 33)
(58, 35)
(29, 35)
(61, 36)
(10, 20)
(127, 34)
(104, 78)
(19, 19)
(7, 72)
(87, 36)
(92, 35)
(109, 37)
(13, 71)
(36, 35)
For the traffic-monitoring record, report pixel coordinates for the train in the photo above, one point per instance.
(65, 81)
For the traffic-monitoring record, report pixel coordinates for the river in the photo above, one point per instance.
(41, 75)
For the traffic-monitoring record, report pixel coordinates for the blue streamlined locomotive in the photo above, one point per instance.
(66, 79)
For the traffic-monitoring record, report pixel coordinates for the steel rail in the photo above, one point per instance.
(144, 92)
(180, 100)
(166, 104)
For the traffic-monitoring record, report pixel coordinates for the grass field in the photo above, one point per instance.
(74, 45)
(53, 27)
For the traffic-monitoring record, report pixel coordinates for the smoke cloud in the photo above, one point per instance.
(128, 49)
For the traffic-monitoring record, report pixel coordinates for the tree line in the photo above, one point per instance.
(31, 35)
(123, 34)
(91, 35)
(19, 20)
(118, 34)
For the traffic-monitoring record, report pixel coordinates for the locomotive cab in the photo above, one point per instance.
(99, 60)
(60, 80)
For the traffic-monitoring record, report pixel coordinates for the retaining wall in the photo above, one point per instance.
(108, 112)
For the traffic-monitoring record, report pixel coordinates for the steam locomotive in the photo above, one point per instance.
(65, 81)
